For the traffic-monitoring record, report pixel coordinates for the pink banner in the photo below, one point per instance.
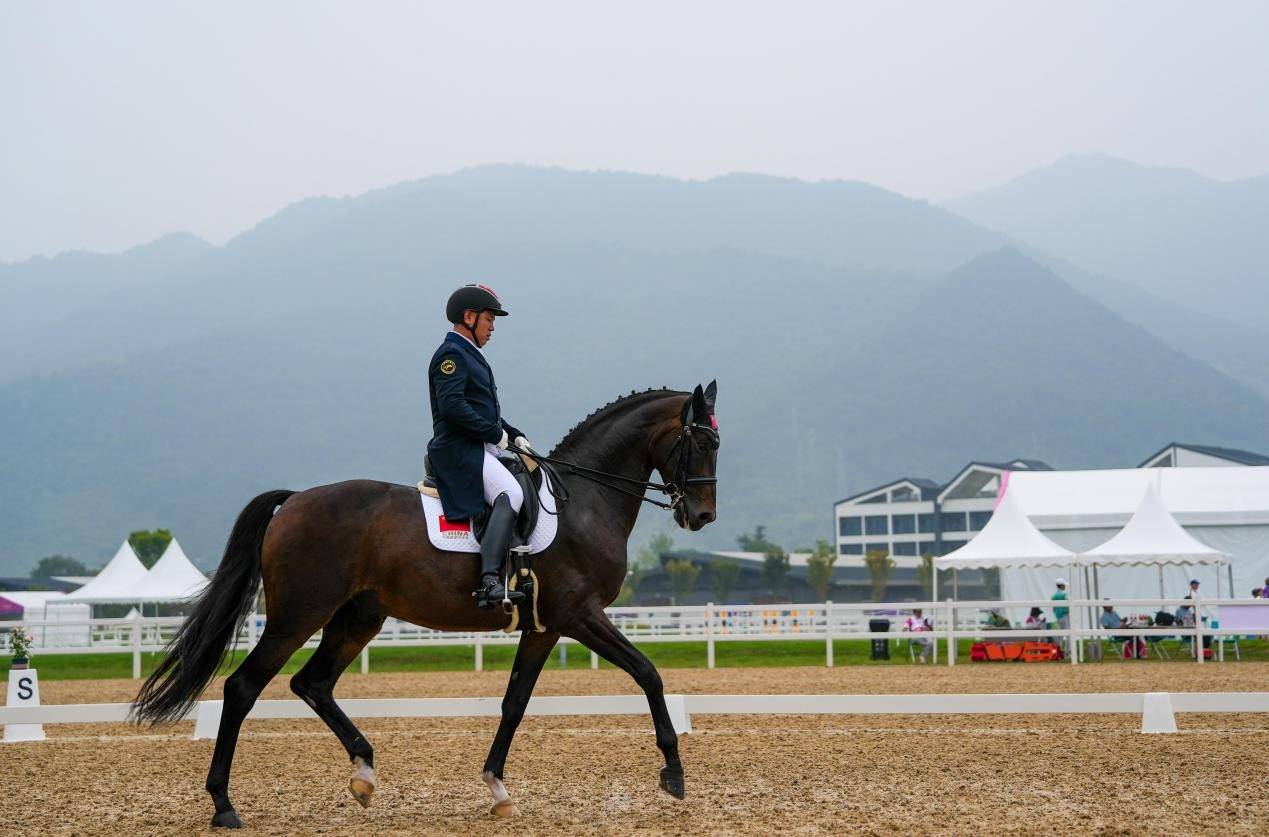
(1004, 483)
(1246, 617)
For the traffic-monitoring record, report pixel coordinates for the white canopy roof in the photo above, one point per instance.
(173, 578)
(1008, 540)
(116, 579)
(1107, 499)
(1152, 536)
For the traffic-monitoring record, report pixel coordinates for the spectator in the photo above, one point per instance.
(1185, 613)
(1257, 592)
(1110, 619)
(1061, 614)
(1185, 616)
(1036, 620)
(916, 623)
(996, 621)
(1134, 645)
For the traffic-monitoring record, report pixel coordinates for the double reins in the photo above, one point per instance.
(670, 489)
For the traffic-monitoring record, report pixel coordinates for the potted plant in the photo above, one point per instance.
(20, 644)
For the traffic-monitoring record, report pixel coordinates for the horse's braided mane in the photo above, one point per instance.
(571, 436)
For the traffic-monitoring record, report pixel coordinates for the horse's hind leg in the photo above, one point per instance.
(530, 656)
(241, 690)
(597, 633)
(342, 640)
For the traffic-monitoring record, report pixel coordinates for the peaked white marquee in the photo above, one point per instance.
(1152, 536)
(1008, 540)
(115, 580)
(173, 578)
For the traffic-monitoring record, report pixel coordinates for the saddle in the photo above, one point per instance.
(526, 473)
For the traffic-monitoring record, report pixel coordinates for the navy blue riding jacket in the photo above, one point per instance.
(465, 415)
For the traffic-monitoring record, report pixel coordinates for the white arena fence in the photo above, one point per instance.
(1155, 708)
(710, 624)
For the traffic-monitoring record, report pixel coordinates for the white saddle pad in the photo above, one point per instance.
(453, 537)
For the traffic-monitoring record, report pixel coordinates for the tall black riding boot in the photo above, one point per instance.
(493, 551)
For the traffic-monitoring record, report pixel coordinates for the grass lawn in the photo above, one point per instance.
(663, 655)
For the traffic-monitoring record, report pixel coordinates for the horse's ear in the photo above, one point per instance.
(699, 408)
(711, 393)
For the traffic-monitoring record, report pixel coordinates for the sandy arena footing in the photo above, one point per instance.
(874, 774)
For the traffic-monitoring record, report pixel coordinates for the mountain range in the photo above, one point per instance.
(1189, 239)
(856, 335)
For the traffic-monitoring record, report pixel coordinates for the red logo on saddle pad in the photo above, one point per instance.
(454, 529)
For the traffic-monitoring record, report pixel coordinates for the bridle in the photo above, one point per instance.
(677, 493)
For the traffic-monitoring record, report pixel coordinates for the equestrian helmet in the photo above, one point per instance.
(472, 298)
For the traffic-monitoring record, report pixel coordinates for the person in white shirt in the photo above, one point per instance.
(916, 623)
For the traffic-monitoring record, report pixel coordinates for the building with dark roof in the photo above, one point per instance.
(1180, 455)
(751, 586)
(915, 516)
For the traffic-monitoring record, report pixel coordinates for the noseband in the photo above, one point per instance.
(671, 489)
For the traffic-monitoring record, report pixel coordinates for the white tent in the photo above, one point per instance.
(47, 606)
(1008, 540)
(1226, 509)
(117, 578)
(1152, 536)
(173, 578)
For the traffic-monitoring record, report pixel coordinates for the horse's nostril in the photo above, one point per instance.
(705, 517)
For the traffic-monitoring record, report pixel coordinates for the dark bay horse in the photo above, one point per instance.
(341, 558)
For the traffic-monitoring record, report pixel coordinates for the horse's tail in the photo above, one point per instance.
(202, 642)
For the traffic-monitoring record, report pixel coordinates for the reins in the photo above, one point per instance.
(669, 489)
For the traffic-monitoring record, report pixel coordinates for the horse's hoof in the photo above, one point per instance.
(361, 791)
(362, 783)
(672, 782)
(505, 809)
(226, 819)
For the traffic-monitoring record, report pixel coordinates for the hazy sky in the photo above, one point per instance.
(122, 121)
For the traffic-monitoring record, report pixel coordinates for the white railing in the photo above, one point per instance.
(1157, 709)
(711, 624)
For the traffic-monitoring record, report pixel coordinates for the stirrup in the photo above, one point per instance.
(486, 597)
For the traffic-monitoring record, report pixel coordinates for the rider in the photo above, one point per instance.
(469, 431)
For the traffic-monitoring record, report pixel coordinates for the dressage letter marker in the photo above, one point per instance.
(24, 690)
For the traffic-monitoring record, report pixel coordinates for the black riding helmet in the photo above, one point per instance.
(472, 298)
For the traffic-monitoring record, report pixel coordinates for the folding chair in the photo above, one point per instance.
(1155, 645)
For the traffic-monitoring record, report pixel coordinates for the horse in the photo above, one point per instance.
(341, 558)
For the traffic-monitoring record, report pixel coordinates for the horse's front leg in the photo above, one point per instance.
(596, 632)
(531, 655)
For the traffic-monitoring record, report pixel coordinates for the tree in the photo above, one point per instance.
(925, 575)
(775, 569)
(59, 565)
(756, 541)
(649, 555)
(722, 578)
(819, 568)
(879, 564)
(149, 545)
(630, 586)
(683, 575)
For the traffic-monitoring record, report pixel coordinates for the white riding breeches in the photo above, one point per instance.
(498, 480)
